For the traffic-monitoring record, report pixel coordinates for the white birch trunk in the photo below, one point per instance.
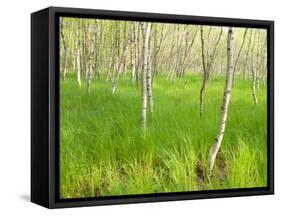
(149, 84)
(224, 107)
(78, 62)
(91, 52)
(146, 32)
(65, 50)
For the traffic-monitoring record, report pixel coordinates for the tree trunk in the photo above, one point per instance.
(78, 57)
(65, 50)
(254, 81)
(122, 62)
(149, 83)
(254, 74)
(207, 61)
(202, 90)
(92, 53)
(146, 31)
(170, 69)
(187, 51)
(239, 52)
(133, 54)
(224, 107)
(247, 54)
(258, 60)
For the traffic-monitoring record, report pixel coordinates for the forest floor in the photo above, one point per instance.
(103, 151)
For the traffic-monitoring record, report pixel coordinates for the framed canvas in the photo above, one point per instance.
(138, 107)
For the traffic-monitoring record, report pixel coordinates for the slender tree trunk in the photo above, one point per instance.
(133, 54)
(225, 102)
(247, 54)
(122, 62)
(149, 83)
(78, 57)
(187, 51)
(72, 48)
(146, 32)
(258, 60)
(139, 55)
(170, 70)
(92, 53)
(84, 50)
(207, 61)
(112, 52)
(65, 50)
(254, 81)
(205, 75)
(254, 75)
(238, 55)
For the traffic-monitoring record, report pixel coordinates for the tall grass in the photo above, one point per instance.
(103, 151)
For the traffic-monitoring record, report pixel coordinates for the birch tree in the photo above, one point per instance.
(122, 61)
(225, 102)
(64, 47)
(146, 32)
(157, 42)
(149, 78)
(187, 50)
(238, 55)
(78, 56)
(92, 51)
(247, 54)
(207, 61)
(254, 75)
(133, 53)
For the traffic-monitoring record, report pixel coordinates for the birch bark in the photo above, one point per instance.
(146, 32)
(78, 56)
(225, 102)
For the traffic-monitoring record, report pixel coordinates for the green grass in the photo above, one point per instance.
(103, 151)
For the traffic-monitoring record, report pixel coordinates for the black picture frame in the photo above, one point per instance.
(45, 106)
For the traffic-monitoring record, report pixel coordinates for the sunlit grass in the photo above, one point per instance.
(103, 151)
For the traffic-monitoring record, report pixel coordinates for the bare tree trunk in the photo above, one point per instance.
(178, 53)
(258, 60)
(254, 75)
(225, 102)
(72, 48)
(247, 54)
(170, 70)
(207, 61)
(157, 47)
(146, 31)
(149, 83)
(238, 55)
(187, 51)
(92, 51)
(65, 49)
(78, 57)
(122, 62)
(112, 52)
(133, 54)
(205, 75)
(139, 55)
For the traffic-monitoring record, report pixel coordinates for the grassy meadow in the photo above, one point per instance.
(103, 151)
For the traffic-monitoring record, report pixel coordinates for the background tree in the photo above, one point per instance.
(238, 55)
(65, 49)
(207, 61)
